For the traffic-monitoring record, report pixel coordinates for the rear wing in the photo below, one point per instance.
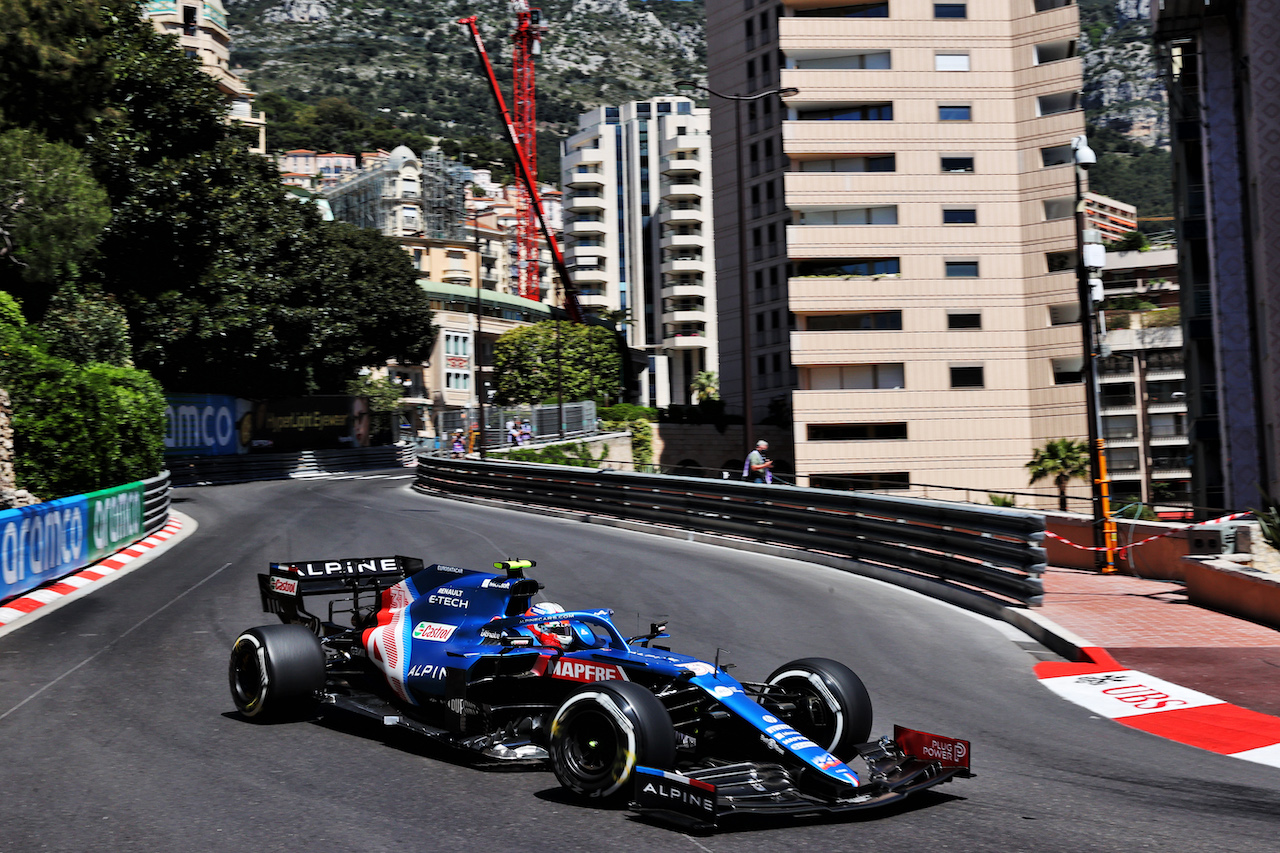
(286, 586)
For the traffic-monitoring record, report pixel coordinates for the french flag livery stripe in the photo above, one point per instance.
(1167, 710)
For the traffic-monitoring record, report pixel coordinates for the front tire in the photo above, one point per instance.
(600, 733)
(276, 671)
(833, 708)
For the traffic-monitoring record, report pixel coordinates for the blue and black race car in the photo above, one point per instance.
(466, 658)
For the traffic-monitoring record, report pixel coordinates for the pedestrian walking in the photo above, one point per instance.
(759, 467)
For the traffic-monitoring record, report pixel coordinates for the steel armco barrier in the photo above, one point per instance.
(155, 502)
(245, 468)
(994, 550)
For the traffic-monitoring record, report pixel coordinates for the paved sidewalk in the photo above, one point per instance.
(1155, 662)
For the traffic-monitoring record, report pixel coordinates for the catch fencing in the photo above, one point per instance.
(994, 550)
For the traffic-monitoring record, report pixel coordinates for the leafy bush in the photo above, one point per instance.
(1269, 520)
(628, 412)
(641, 430)
(77, 428)
(577, 455)
(1002, 500)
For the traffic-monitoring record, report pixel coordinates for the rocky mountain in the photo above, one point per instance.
(1123, 90)
(411, 57)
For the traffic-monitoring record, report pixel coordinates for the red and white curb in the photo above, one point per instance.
(32, 601)
(1164, 709)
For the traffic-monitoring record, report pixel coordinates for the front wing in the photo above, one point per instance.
(705, 797)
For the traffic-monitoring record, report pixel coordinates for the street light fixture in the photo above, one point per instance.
(744, 316)
(478, 372)
(1091, 257)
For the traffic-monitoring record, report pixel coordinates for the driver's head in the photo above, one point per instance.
(555, 634)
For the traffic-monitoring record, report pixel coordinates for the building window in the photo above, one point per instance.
(847, 267)
(1067, 371)
(955, 112)
(1060, 261)
(856, 112)
(959, 216)
(858, 432)
(1064, 314)
(879, 60)
(883, 215)
(961, 269)
(1053, 51)
(189, 27)
(966, 376)
(1061, 102)
(957, 319)
(957, 162)
(856, 376)
(869, 163)
(1059, 208)
(950, 10)
(1046, 5)
(456, 344)
(457, 380)
(1057, 155)
(862, 321)
(859, 10)
(951, 62)
(876, 481)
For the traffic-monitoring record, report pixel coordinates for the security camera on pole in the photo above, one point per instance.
(1091, 257)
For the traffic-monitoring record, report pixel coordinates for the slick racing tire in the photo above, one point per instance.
(276, 671)
(601, 731)
(834, 709)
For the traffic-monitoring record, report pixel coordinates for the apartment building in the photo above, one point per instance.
(1142, 395)
(1112, 219)
(638, 217)
(201, 29)
(906, 232)
(1223, 73)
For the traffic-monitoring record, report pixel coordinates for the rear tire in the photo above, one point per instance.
(276, 671)
(834, 710)
(601, 731)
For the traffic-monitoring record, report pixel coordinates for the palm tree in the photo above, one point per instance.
(1062, 460)
(705, 386)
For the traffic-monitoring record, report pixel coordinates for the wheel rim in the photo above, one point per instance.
(815, 717)
(249, 675)
(591, 748)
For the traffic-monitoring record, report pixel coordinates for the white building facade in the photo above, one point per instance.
(638, 234)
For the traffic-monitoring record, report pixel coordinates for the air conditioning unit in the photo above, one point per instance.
(1229, 538)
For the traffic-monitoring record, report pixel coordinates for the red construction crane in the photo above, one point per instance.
(527, 43)
(530, 185)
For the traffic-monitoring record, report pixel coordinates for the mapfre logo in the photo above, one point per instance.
(433, 631)
(581, 670)
(284, 586)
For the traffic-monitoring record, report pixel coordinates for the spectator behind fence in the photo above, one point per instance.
(758, 468)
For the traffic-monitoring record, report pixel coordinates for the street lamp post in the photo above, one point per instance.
(744, 315)
(1091, 258)
(476, 368)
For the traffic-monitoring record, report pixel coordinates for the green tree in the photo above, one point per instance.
(51, 213)
(1060, 460)
(54, 65)
(87, 327)
(705, 386)
(531, 366)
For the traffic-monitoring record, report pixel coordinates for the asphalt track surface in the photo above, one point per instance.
(119, 734)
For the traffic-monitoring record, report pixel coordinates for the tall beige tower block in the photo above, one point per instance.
(929, 194)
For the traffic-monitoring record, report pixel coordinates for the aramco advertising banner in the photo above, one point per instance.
(219, 425)
(205, 425)
(46, 541)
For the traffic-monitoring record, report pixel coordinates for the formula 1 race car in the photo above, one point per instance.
(465, 658)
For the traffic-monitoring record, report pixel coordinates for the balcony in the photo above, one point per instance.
(580, 178)
(586, 226)
(682, 213)
(684, 187)
(684, 264)
(673, 239)
(580, 201)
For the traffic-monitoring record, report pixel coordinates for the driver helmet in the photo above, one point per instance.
(557, 635)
